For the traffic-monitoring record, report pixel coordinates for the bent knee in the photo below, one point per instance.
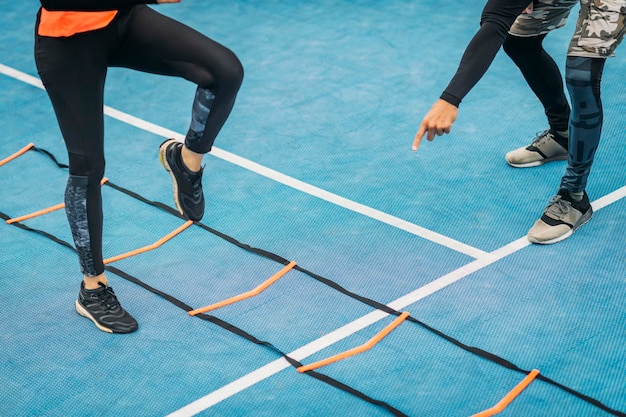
(233, 72)
(226, 77)
(517, 47)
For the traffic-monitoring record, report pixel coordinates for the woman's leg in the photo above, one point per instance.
(155, 43)
(74, 79)
(73, 70)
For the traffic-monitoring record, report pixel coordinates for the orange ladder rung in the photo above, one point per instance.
(359, 349)
(248, 294)
(43, 211)
(508, 398)
(35, 214)
(16, 154)
(150, 247)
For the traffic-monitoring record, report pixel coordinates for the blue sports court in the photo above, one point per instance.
(313, 186)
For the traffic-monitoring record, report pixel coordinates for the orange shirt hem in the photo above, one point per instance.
(64, 24)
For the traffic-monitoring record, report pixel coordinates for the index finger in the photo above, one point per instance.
(419, 136)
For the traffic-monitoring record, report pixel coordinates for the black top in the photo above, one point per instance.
(91, 5)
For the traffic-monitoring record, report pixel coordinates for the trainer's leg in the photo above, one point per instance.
(524, 45)
(544, 78)
(600, 29)
(583, 78)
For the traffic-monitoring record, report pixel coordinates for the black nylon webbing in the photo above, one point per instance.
(49, 155)
(372, 303)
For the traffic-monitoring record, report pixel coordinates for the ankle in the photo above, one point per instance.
(191, 160)
(561, 137)
(575, 197)
(93, 283)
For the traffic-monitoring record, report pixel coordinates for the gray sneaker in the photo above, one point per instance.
(544, 148)
(560, 219)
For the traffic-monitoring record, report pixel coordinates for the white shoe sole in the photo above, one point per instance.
(536, 163)
(81, 310)
(166, 165)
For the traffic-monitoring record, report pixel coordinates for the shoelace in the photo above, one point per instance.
(108, 299)
(196, 183)
(542, 136)
(558, 206)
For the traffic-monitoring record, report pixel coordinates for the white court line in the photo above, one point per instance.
(278, 177)
(401, 303)
(609, 199)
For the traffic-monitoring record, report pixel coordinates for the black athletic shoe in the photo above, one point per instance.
(188, 194)
(101, 307)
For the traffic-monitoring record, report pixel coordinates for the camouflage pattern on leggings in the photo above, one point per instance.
(599, 29)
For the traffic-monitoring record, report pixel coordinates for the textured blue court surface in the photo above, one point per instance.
(315, 166)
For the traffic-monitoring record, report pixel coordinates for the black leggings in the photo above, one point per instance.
(583, 77)
(73, 70)
(542, 75)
